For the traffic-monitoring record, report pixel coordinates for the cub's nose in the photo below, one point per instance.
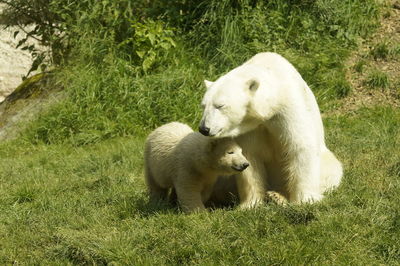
(241, 167)
(244, 166)
(204, 130)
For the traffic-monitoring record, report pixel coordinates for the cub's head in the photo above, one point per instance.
(226, 156)
(236, 103)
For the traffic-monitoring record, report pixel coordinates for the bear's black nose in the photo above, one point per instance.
(204, 130)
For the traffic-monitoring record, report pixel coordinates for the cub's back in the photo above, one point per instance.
(159, 149)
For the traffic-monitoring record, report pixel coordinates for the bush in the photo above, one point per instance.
(49, 28)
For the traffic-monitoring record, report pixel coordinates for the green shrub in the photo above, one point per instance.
(150, 38)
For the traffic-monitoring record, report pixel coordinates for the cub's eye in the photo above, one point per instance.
(230, 152)
(202, 105)
(219, 106)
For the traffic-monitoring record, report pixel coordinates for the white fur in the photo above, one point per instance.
(176, 157)
(275, 118)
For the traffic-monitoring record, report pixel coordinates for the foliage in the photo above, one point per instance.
(149, 39)
(60, 24)
(48, 29)
(132, 65)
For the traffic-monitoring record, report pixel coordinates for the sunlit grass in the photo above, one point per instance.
(88, 205)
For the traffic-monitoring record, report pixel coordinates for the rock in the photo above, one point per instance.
(26, 102)
(14, 62)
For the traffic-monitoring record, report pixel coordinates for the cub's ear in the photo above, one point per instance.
(208, 83)
(253, 84)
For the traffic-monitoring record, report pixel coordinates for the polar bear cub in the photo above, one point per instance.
(177, 157)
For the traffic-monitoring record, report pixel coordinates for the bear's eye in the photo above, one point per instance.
(230, 152)
(219, 106)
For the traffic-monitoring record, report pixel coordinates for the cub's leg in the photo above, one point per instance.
(250, 186)
(189, 194)
(208, 189)
(156, 192)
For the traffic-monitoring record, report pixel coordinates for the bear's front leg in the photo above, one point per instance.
(189, 195)
(304, 178)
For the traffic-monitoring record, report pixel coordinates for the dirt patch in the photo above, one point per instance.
(374, 69)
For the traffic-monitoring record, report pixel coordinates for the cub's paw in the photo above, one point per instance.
(275, 197)
(254, 202)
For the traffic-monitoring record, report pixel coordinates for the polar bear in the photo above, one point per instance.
(273, 115)
(178, 158)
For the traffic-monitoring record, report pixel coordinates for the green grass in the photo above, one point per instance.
(385, 50)
(62, 204)
(377, 80)
(110, 95)
(381, 50)
(72, 189)
(360, 65)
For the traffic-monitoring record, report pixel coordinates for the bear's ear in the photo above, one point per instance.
(208, 83)
(253, 85)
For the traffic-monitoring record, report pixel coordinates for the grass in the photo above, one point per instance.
(385, 50)
(381, 50)
(62, 204)
(360, 65)
(111, 96)
(377, 80)
(72, 189)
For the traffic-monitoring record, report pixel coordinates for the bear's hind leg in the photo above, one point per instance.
(275, 197)
(304, 178)
(331, 171)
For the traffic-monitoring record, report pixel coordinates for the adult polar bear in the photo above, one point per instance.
(267, 106)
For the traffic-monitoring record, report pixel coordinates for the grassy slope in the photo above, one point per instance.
(62, 204)
(87, 204)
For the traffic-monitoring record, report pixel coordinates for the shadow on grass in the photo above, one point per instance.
(298, 214)
(142, 207)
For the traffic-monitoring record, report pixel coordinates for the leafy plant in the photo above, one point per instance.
(48, 29)
(150, 39)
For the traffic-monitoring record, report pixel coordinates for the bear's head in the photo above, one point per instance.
(226, 156)
(237, 103)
